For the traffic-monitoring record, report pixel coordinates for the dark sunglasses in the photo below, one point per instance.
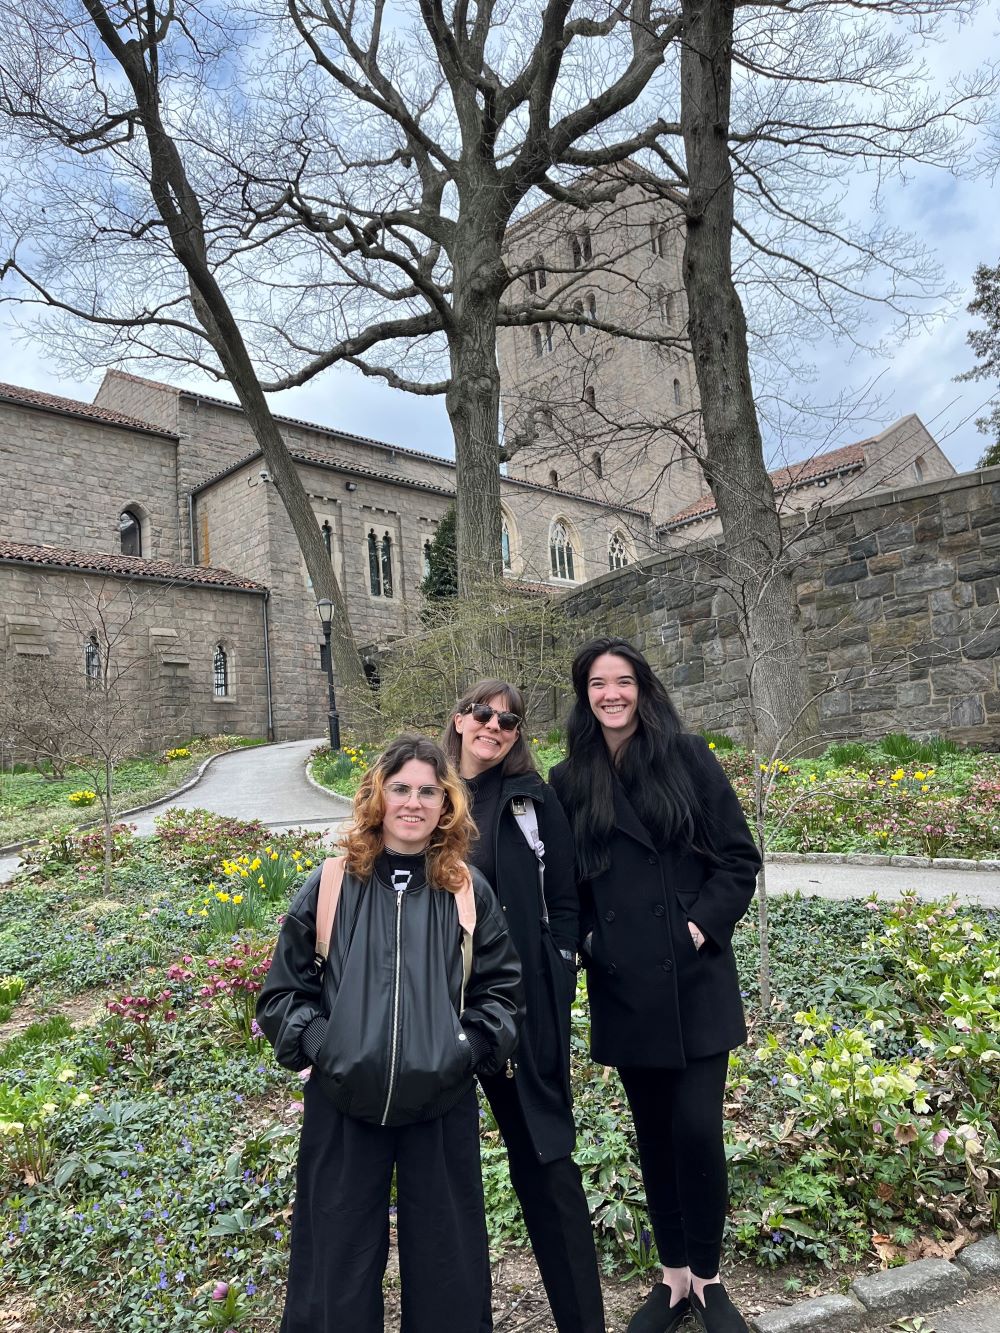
(482, 713)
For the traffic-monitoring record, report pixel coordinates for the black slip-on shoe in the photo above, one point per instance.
(716, 1313)
(656, 1314)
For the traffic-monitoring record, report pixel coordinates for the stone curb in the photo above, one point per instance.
(866, 859)
(195, 777)
(333, 795)
(879, 1298)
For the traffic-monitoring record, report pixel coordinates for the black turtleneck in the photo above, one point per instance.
(484, 792)
(389, 862)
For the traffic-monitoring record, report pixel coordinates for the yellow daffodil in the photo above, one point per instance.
(256, 863)
(711, 745)
(260, 880)
(296, 855)
(918, 776)
(203, 912)
(898, 776)
(222, 897)
(237, 897)
(274, 856)
(245, 874)
(211, 888)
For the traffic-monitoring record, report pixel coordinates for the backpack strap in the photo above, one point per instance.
(331, 881)
(523, 810)
(465, 904)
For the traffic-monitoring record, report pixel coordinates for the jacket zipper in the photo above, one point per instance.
(394, 1044)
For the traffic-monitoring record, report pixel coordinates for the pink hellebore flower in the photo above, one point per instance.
(221, 1291)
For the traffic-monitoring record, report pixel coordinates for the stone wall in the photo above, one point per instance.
(66, 481)
(900, 601)
(164, 636)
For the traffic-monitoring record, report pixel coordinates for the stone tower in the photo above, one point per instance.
(586, 410)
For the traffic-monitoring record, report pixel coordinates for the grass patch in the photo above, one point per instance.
(32, 802)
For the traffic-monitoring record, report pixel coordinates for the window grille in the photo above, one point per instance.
(92, 660)
(220, 673)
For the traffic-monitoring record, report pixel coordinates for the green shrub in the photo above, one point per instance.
(844, 754)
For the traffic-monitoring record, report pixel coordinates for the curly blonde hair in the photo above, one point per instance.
(448, 848)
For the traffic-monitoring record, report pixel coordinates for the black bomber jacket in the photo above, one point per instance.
(380, 1022)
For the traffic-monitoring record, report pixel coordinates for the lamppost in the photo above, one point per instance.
(324, 609)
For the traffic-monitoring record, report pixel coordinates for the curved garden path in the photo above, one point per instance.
(269, 783)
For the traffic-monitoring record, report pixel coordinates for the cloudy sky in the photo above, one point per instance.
(951, 217)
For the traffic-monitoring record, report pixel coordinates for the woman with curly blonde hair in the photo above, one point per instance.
(395, 1026)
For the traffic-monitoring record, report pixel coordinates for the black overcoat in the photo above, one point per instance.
(541, 1076)
(655, 1000)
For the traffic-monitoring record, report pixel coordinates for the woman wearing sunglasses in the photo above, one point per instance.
(395, 1024)
(525, 850)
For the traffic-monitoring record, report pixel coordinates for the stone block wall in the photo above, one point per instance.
(164, 637)
(900, 600)
(66, 481)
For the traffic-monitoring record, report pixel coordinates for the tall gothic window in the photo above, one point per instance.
(92, 660)
(553, 477)
(130, 533)
(374, 577)
(618, 556)
(328, 539)
(427, 558)
(592, 305)
(665, 302)
(379, 564)
(536, 275)
(561, 554)
(386, 565)
(677, 393)
(597, 464)
(220, 672)
(590, 397)
(505, 542)
(536, 341)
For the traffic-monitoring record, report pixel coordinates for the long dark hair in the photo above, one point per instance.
(518, 758)
(650, 765)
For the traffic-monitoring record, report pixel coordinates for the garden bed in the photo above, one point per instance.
(147, 1143)
(901, 797)
(31, 802)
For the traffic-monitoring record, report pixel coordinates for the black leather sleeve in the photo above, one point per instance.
(494, 997)
(729, 886)
(291, 997)
(561, 898)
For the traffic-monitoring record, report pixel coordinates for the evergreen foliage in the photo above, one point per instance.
(441, 581)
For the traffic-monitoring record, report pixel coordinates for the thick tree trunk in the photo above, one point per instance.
(473, 403)
(756, 570)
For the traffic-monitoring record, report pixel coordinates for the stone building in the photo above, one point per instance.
(163, 488)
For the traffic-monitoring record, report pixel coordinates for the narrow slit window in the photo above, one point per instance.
(130, 533)
(220, 673)
(328, 539)
(386, 565)
(92, 661)
(374, 577)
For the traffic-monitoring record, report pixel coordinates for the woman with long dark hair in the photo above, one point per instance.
(667, 867)
(419, 991)
(526, 852)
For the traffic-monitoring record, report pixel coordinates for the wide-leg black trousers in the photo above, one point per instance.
(340, 1223)
(555, 1211)
(678, 1127)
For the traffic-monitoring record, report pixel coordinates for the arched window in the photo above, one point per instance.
(505, 542)
(427, 558)
(130, 532)
(386, 565)
(578, 310)
(328, 539)
(592, 305)
(618, 556)
(536, 274)
(661, 243)
(374, 576)
(553, 477)
(597, 465)
(677, 393)
(665, 304)
(536, 340)
(548, 337)
(590, 397)
(652, 237)
(561, 554)
(220, 672)
(575, 252)
(918, 469)
(585, 246)
(92, 660)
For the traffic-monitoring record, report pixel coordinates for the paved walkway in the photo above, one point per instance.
(978, 1314)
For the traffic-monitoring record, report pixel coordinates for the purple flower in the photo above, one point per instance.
(221, 1291)
(251, 1288)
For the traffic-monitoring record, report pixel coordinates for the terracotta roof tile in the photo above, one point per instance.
(50, 402)
(850, 457)
(132, 566)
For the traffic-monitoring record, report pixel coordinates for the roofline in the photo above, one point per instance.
(629, 169)
(21, 563)
(413, 483)
(89, 417)
(842, 470)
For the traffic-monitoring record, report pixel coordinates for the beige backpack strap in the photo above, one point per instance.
(331, 880)
(465, 902)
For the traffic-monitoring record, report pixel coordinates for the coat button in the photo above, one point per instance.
(609, 916)
(659, 909)
(612, 969)
(668, 964)
(652, 860)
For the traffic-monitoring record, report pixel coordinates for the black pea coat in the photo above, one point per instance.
(655, 1000)
(541, 1077)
